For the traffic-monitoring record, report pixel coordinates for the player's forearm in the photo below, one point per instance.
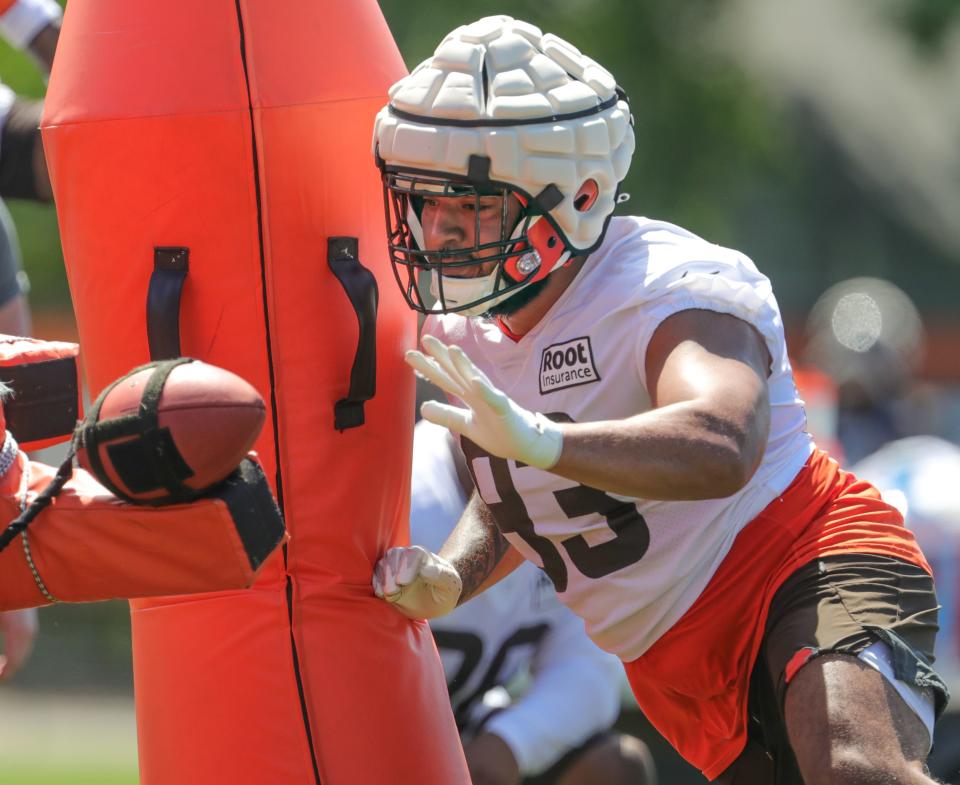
(478, 551)
(682, 451)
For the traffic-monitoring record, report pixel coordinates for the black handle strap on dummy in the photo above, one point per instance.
(170, 266)
(47, 495)
(361, 288)
(148, 461)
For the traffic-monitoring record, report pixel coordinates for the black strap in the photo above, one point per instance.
(170, 266)
(361, 288)
(150, 460)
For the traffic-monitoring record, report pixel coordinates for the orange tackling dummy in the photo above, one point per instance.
(217, 199)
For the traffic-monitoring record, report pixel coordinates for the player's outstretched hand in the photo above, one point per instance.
(492, 419)
(419, 583)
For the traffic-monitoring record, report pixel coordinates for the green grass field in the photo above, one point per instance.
(40, 775)
(66, 740)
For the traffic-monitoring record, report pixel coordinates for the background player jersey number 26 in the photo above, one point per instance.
(631, 534)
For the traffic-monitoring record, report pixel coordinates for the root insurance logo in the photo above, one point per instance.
(567, 364)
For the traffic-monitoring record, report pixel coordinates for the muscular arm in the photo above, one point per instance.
(478, 551)
(705, 436)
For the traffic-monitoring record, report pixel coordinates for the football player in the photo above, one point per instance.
(626, 405)
(558, 731)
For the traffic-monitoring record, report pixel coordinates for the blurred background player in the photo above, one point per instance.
(919, 476)
(867, 336)
(517, 636)
(865, 346)
(32, 26)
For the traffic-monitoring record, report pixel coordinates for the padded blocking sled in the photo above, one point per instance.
(217, 198)
(88, 545)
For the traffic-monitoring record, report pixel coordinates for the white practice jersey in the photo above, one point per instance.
(629, 567)
(517, 628)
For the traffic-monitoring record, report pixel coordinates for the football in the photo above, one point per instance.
(171, 448)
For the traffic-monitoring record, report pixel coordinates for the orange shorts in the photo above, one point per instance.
(693, 683)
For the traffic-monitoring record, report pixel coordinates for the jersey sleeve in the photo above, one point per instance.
(717, 279)
(574, 693)
(21, 21)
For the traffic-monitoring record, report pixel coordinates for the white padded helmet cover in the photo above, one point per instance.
(502, 69)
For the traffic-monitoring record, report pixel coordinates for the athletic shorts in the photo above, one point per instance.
(841, 605)
(694, 683)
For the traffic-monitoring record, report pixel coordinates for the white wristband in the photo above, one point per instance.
(545, 451)
(21, 22)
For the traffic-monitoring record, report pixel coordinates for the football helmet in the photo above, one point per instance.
(500, 109)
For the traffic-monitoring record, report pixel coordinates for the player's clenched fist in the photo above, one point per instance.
(419, 583)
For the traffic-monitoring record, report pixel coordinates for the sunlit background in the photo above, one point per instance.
(822, 138)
